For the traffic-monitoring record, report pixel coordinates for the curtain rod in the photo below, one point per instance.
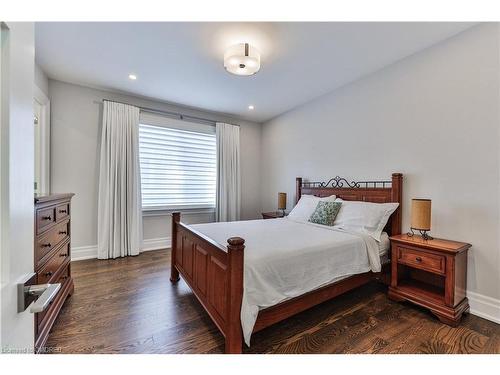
(175, 114)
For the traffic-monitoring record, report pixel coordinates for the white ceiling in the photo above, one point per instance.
(182, 62)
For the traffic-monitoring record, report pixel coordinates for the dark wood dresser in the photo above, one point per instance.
(52, 256)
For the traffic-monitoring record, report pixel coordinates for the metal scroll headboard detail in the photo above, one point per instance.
(339, 182)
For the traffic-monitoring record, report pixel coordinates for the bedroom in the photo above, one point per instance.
(192, 180)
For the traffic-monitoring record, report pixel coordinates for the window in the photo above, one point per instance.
(178, 164)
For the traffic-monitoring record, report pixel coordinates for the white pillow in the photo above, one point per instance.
(364, 217)
(306, 206)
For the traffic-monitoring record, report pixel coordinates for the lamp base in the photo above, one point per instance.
(423, 233)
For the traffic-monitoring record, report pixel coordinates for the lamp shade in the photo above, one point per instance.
(421, 214)
(281, 201)
(242, 60)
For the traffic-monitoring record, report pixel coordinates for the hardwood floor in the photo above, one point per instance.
(128, 305)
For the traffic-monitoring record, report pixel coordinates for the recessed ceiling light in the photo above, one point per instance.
(133, 77)
(251, 107)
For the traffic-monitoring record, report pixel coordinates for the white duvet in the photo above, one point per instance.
(285, 259)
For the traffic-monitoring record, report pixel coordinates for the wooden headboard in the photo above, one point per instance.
(367, 191)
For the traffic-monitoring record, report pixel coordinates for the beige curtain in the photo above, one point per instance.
(228, 172)
(119, 221)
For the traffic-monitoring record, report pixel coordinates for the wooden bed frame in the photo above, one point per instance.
(215, 272)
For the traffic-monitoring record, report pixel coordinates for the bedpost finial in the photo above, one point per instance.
(176, 216)
(236, 241)
(397, 175)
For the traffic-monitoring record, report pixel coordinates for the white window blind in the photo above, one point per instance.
(178, 166)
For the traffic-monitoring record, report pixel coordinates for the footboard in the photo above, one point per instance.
(215, 275)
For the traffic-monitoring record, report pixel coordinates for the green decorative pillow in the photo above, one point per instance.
(325, 213)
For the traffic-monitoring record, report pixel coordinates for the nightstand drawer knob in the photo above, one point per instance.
(418, 259)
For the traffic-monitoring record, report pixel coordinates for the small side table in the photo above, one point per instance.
(430, 273)
(273, 215)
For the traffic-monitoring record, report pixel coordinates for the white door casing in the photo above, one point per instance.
(16, 181)
(42, 141)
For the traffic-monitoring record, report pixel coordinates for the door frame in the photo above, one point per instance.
(16, 182)
(44, 123)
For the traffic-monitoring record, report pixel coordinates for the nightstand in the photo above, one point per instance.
(272, 215)
(430, 273)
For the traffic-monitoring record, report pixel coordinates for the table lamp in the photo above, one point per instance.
(282, 202)
(421, 217)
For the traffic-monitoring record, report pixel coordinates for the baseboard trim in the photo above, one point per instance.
(484, 306)
(83, 253)
(156, 244)
(90, 252)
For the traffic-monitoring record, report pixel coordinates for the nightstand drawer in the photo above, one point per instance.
(418, 259)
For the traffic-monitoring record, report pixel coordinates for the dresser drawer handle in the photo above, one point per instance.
(63, 255)
(47, 217)
(63, 232)
(63, 211)
(64, 277)
(418, 259)
(49, 273)
(47, 245)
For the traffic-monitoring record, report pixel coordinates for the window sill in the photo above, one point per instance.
(186, 211)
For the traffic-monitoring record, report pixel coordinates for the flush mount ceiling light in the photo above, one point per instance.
(242, 60)
(133, 77)
(251, 107)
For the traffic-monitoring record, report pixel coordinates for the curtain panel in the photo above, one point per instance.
(119, 221)
(228, 172)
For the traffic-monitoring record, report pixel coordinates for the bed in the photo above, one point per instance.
(245, 296)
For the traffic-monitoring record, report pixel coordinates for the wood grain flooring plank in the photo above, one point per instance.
(128, 305)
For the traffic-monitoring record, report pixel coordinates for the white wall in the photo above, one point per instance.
(76, 117)
(434, 117)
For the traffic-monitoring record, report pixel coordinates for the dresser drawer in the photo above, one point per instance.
(48, 272)
(62, 211)
(45, 217)
(422, 260)
(49, 241)
(62, 279)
